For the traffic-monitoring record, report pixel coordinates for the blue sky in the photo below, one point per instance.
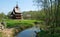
(8, 5)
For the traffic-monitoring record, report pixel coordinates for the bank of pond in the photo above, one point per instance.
(26, 27)
(37, 32)
(17, 23)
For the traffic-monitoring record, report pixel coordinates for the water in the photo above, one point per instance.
(29, 32)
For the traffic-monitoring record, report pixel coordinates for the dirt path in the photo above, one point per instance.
(7, 33)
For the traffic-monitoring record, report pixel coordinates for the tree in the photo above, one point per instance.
(52, 15)
(2, 16)
(9, 14)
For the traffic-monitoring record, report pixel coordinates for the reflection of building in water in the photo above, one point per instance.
(16, 14)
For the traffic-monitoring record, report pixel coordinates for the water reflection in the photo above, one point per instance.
(29, 32)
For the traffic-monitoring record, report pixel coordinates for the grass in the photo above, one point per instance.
(0, 34)
(44, 34)
(13, 23)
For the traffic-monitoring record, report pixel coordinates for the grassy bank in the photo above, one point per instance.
(16, 23)
(0, 34)
(20, 25)
(51, 32)
(46, 34)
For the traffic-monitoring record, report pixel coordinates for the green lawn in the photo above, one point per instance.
(12, 23)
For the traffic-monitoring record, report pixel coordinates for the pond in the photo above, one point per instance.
(29, 32)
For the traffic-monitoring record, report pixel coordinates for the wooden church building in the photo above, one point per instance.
(16, 14)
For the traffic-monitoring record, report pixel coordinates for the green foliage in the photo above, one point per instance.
(47, 34)
(35, 15)
(2, 16)
(51, 9)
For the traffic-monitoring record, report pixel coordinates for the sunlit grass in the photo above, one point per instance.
(0, 34)
(12, 23)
